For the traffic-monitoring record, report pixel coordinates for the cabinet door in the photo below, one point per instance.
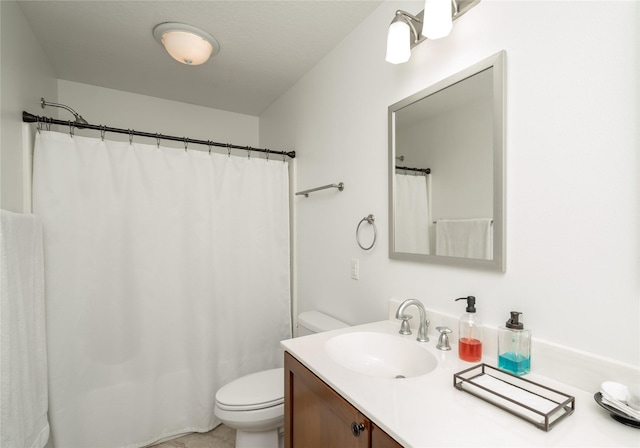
(380, 439)
(315, 416)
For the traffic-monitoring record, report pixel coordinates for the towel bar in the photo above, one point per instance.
(339, 186)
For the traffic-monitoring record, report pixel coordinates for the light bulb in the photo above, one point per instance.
(398, 42)
(437, 20)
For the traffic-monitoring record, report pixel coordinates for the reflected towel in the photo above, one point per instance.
(466, 238)
(23, 356)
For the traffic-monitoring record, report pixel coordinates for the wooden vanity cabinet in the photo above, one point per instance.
(316, 416)
(380, 439)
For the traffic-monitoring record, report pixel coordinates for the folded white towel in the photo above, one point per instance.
(23, 356)
(617, 396)
(466, 238)
(620, 406)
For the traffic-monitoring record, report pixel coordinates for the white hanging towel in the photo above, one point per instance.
(466, 238)
(23, 356)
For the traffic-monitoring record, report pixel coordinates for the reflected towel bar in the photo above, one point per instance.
(419, 170)
(339, 186)
(436, 221)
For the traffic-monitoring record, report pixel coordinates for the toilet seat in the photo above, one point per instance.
(260, 390)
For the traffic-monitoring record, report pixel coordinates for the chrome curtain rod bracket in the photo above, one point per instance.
(339, 186)
(79, 119)
(30, 118)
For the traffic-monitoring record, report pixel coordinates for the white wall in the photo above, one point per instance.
(572, 171)
(126, 110)
(458, 147)
(26, 76)
(572, 162)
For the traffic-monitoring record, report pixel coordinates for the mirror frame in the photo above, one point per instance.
(498, 63)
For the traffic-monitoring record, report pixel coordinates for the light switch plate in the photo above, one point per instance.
(355, 269)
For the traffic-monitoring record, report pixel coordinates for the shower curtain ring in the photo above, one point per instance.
(157, 140)
(268, 151)
(70, 129)
(48, 123)
(248, 152)
(186, 143)
(228, 149)
(103, 130)
(131, 136)
(210, 144)
(39, 125)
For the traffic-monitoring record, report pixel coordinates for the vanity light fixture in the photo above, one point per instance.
(433, 22)
(185, 43)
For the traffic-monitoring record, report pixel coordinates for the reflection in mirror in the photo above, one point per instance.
(446, 170)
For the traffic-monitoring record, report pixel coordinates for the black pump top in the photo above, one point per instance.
(514, 322)
(471, 303)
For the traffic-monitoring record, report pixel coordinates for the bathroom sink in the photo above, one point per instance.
(380, 355)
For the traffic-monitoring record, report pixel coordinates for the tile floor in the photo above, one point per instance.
(220, 437)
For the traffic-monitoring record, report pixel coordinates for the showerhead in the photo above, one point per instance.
(79, 119)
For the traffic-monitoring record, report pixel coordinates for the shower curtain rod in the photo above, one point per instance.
(421, 170)
(30, 118)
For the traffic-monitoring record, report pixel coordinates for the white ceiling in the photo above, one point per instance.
(265, 46)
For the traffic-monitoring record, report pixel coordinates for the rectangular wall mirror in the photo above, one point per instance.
(446, 170)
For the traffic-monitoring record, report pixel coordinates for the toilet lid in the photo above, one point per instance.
(254, 391)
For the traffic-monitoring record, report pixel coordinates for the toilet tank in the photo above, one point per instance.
(311, 322)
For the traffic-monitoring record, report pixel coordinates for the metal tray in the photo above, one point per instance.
(539, 405)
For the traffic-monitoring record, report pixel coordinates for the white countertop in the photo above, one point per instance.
(428, 411)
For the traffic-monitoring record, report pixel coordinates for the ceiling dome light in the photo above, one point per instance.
(185, 43)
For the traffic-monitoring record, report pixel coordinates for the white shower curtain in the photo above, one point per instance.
(412, 214)
(167, 275)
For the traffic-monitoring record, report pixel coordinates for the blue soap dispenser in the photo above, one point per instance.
(514, 346)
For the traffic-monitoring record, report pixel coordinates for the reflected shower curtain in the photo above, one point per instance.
(412, 214)
(167, 275)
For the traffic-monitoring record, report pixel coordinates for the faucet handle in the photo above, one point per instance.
(443, 340)
(404, 326)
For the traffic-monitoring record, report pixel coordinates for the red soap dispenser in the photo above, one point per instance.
(470, 333)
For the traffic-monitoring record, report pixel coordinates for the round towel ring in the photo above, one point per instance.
(371, 220)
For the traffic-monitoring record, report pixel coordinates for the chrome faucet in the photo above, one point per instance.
(424, 323)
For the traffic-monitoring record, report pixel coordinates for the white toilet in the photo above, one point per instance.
(254, 404)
